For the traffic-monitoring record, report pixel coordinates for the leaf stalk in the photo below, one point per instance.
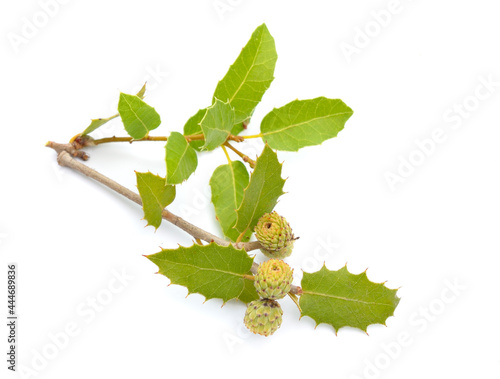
(245, 158)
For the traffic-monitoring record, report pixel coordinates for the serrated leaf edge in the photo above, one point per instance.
(203, 148)
(206, 298)
(250, 180)
(395, 290)
(133, 111)
(161, 177)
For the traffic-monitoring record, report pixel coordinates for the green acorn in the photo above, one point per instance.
(273, 279)
(263, 317)
(275, 235)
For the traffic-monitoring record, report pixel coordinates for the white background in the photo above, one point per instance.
(439, 225)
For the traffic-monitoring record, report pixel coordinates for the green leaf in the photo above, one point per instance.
(180, 158)
(212, 270)
(340, 299)
(249, 292)
(237, 129)
(192, 127)
(228, 183)
(138, 117)
(263, 191)
(217, 124)
(155, 195)
(98, 122)
(250, 75)
(142, 92)
(304, 123)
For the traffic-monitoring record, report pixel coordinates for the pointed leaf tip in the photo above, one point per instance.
(302, 123)
(98, 122)
(250, 75)
(340, 299)
(138, 117)
(155, 195)
(263, 191)
(204, 268)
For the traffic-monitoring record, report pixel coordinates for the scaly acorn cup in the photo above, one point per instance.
(274, 279)
(263, 317)
(275, 235)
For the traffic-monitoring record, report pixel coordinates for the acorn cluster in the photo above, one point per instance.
(274, 277)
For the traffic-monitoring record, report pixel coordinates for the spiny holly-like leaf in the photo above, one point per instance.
(263, 191)
(250, 75)
(304, 123)
(98, 122)
(180, 158)
(155, 195)
(228, 183)
(192, 127)
(217, 124)
(138, 117)
(212, 270)
(340, 299)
